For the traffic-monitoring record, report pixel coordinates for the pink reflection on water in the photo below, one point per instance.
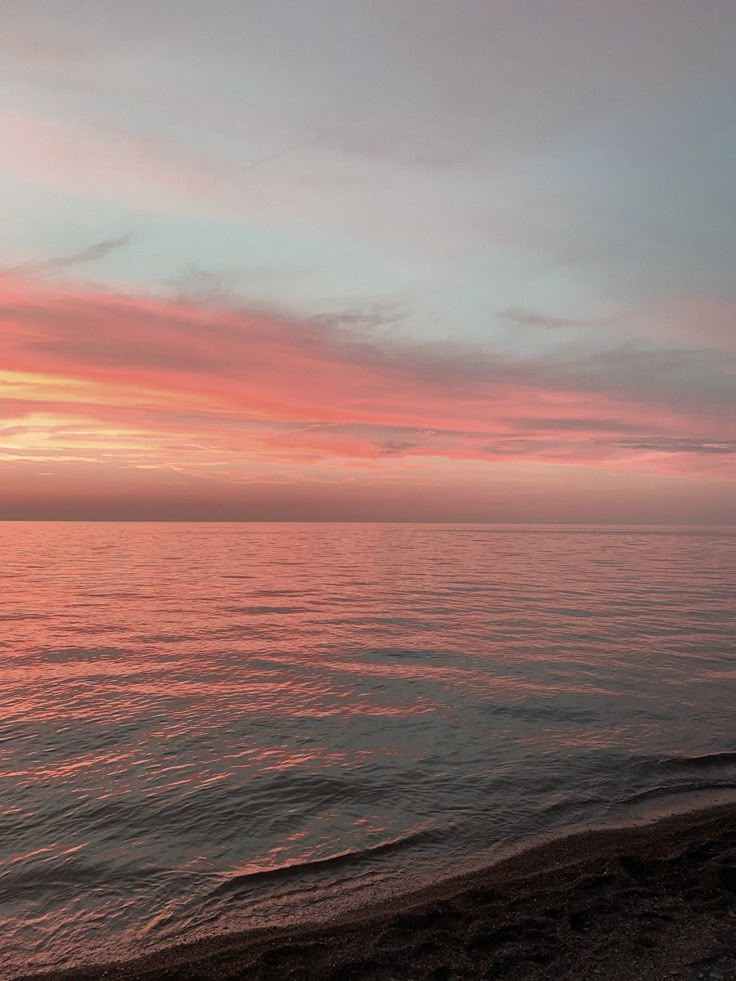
(181, 705)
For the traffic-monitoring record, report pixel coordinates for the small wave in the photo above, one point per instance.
(349, 856)
(163, 638)
(10, 617)
(705, 762)
(62, 877)
(550, 710)
(422, 655)
(63, 654)
(278, 592)
(266, 609)
(678, 790)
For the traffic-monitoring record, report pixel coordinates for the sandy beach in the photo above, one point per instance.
(655, 901)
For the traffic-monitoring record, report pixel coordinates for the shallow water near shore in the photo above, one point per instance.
(209, 727)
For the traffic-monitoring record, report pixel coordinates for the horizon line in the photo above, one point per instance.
(371, 521)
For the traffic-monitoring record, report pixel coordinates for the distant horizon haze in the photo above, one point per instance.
(595, 497)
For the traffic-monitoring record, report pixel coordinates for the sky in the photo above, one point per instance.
(455, 260)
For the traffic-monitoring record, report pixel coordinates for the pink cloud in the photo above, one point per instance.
(245, 396)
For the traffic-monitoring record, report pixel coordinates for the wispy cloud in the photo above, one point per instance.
(90, 254)
(168, 384)
(529, 318)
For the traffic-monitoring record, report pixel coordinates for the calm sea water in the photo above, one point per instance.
(206, 727)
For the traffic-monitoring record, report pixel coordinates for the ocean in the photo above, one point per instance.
(210, 727)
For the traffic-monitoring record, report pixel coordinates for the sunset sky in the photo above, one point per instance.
(340, 259)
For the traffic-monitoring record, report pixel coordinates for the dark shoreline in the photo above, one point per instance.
(652, 901)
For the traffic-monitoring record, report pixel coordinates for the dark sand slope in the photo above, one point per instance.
(649, 902)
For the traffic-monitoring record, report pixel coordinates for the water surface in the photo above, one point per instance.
(207, 727)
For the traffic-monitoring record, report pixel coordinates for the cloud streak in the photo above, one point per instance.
(90, 254)
(520, 317)
(102, 376)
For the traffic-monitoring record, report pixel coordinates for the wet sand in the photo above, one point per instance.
(650, 902)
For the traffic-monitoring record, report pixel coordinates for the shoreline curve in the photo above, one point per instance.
(651, 900)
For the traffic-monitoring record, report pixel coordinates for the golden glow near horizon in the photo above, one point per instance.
(244, 399)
